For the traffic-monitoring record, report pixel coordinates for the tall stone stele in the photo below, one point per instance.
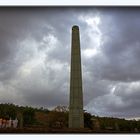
(76, 117)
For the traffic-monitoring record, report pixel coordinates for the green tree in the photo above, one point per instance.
(28, 116)
(87, 120)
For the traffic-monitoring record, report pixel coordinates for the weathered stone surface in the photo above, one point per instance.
(76, 119)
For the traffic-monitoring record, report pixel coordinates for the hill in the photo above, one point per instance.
(40, 120)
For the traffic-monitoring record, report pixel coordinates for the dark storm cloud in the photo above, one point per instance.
(121, 46)
(122, 102)
(14, 27)
(44, 90)
(118, 63)
(35, 57)
(47, 99)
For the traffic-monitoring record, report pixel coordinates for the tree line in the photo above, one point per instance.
(58, 118)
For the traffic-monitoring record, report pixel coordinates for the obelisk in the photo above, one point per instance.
(76, 117)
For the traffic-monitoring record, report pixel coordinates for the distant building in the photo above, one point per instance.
(8, 123)
(15, 123)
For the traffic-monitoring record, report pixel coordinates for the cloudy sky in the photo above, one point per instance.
(35, 45)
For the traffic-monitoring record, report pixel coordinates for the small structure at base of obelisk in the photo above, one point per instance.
(76, 115)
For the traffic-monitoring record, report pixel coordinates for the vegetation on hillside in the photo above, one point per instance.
(58, 119)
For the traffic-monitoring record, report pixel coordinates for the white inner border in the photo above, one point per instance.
(70, 137)
(70, 2)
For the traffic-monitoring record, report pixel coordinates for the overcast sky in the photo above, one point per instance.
(35, 45)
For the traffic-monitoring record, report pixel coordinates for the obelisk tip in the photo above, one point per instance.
(75, 27)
